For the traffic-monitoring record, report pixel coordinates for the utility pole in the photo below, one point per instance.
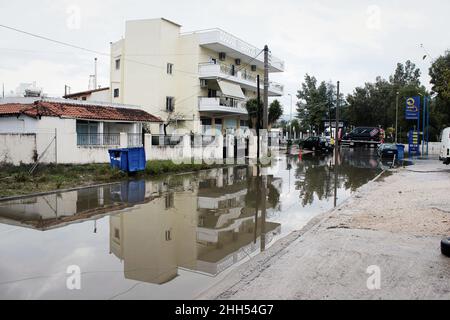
(428, 122)
(396, 119)
(290, 126)
(336, 145)
(265, 127)
(3, 91)
(424, 123)
(266, 89)
(336, 138)
(258, 117)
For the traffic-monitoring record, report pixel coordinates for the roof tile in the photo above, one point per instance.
(77, 111)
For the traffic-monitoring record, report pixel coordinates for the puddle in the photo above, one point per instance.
(168, 238)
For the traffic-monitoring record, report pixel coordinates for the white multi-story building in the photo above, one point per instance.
(194, 81)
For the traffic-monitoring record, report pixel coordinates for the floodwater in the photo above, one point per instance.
(167, 238)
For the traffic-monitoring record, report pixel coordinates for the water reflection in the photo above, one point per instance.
(319, 176)
(203, 223)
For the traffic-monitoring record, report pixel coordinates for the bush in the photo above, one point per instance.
(22, 177)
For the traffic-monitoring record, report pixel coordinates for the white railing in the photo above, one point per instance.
(221, 104)
(221, 70)
(220, 36)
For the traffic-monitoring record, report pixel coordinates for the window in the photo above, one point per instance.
(170, 104)
(212, 93)
(233, 70)
(169, 235)
(116, 93)
(170, 201)
(84, 98)
(206, 125)
(87, 133)
(117, 64)
(116, 233)
(219, 125)
(169, 68)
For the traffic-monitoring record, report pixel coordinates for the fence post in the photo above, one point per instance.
(187, 148)
(230, 147)
(148, 145)
(123, 140)
(219, 146)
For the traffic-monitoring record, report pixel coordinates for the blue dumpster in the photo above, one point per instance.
(400, 151)
(128, 159)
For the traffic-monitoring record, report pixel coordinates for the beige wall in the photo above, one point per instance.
(152, 44)
(148, 46)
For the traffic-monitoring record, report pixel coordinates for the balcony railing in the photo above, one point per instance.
(221, 37)
(222, 104)
(100, 139)
(221, 70)
(134, 140)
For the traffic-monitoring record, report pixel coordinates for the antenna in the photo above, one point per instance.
(95, 75)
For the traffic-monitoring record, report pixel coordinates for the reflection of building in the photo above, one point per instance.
(59, 209)
(208, 233)
(206, 223)
(228, 228)
(155, 238)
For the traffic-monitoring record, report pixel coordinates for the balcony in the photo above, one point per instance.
(222, 41)
(246, 79)
(221, 105)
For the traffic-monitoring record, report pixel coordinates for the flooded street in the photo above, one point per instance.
(167, 238)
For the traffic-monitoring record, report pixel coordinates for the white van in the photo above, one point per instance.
(445, 146)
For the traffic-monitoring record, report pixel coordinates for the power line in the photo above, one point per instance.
(87, 49)
(126, 59)
(51, 40)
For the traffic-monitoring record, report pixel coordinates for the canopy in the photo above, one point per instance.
(231, 90)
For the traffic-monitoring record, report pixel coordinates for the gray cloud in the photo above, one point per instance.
(351, 41)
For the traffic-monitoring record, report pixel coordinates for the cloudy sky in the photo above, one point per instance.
(352, 41)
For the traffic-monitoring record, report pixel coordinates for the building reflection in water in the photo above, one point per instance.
(205, 229)
(204, 223)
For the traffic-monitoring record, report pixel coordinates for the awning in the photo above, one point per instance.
(231, 90)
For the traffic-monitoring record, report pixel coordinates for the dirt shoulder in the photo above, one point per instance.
(395, 223)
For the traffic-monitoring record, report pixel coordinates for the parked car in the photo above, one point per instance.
(365, 134)
(316, 144)
(445, 146)
(387, 150)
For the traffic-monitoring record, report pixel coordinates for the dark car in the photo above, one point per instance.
(388, 150)
(316, 144)
(365, 134)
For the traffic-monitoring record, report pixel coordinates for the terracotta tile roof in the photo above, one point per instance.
(77, 111)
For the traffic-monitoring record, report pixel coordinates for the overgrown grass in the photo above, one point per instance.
(167, 166)
(15, 180)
